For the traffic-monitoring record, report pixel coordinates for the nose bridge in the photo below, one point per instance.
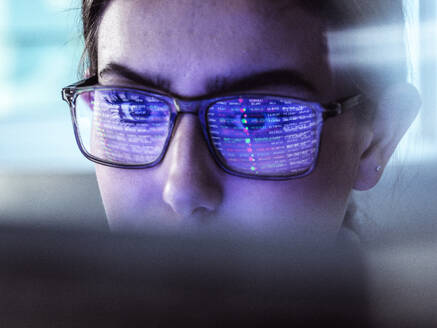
(192, 179)
(188, 142)
(186, 146)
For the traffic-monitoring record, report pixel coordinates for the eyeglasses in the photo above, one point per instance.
(257, 136)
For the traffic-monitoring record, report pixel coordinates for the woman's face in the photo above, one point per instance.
(191, 48)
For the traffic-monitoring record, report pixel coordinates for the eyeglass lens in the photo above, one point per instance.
(122, 127)
(266, 136)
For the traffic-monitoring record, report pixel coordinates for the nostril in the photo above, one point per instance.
(201, 214)
(196, 202)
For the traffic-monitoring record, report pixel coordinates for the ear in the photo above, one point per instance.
(396, 110)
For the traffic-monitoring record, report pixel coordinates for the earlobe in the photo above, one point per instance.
(396, 110)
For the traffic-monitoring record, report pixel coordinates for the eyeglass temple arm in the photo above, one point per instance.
(337, 108)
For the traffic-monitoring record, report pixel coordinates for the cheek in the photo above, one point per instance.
(316, 203)
(131, 195)
(339, 160)
(340, 150)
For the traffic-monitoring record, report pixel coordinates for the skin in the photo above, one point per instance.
(188, 44)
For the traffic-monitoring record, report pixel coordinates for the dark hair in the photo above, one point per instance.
(338, 14)
(92, 13)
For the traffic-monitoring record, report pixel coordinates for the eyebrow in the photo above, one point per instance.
(156, 82)
(218, 84)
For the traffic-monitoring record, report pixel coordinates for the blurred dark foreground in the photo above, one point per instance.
(58, 278)
(82, 278)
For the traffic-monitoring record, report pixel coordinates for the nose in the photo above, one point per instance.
(192, 185)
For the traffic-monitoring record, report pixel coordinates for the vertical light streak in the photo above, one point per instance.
(6, 57)
(413, 148)
(412, 37)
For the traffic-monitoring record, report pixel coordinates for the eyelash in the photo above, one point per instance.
(119, 113)
(115, 99)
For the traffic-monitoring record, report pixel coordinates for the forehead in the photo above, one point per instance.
(194, 40)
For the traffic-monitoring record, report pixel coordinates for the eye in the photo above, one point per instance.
(129, 107)
(134, 113)
(240, 115)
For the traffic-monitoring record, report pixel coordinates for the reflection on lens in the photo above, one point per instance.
(266, 136)
(122, 127)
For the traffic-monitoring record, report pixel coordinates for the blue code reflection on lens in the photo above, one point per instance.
(266, 136)
(128, 127)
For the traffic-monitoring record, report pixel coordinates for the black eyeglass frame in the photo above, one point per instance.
(199, 107)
